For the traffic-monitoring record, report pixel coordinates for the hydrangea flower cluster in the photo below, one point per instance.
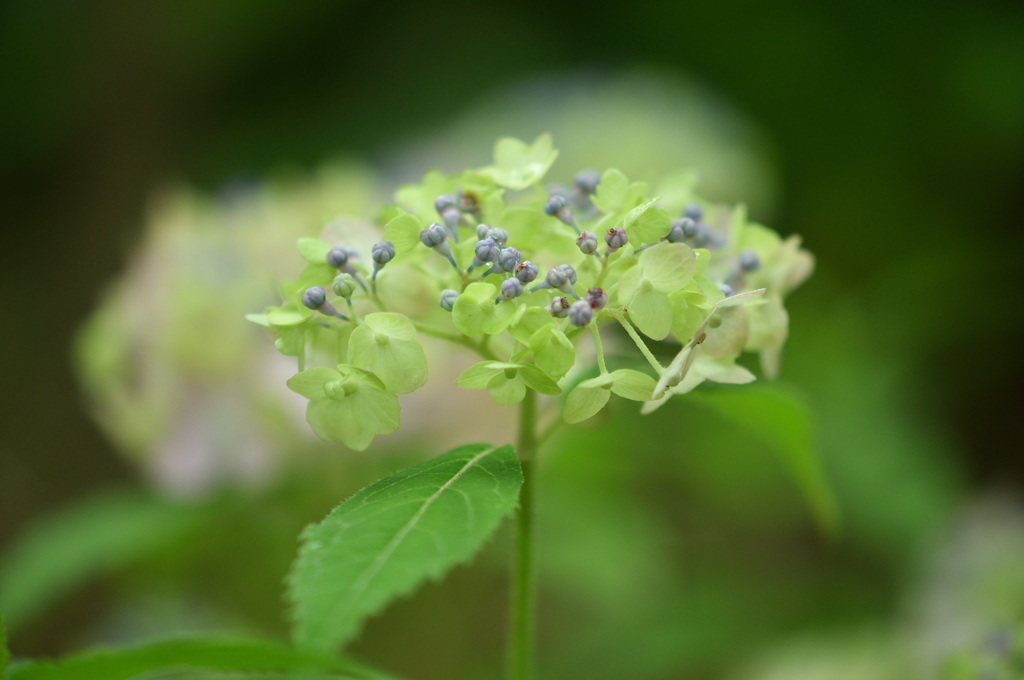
(495, 261)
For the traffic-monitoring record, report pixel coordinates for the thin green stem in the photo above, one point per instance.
(641, 345)
(521, 623)
(477, 347)
(600, 350)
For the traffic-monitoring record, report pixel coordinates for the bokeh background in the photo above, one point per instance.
(153, 152)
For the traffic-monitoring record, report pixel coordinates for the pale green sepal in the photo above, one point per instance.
(630, 384)
(646, 224)
(310, 383)
(404, 232)
(313, 250)
(478, 375)
(651, 312)
(475, 312)
(553, 352)
(259, 319)
(386, 344)
(506, 391)
(518, 165)
(535, 379)
(587, 398)
(668, 266)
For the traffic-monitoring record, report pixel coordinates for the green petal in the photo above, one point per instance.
(527, 322)
(387, 345)
(506, 391)
(615, 194)
(553, 352)
(478, 375)
(668, 266)
(290, 314)
(587, 399)
(355, 420)
(651, 312)
(686, 317)
(475, 313)
(646, 224)
(313, 250)
(310, 383)
(404, 232)
(728, 337)
(630, 384)
(535, 379)
(518, 165)
(723, 370)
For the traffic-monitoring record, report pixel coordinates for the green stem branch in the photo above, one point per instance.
(641, 345)
(478, 347)
(520, 645)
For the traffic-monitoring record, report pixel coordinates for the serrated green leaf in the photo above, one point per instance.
(5, 656)
(668, 266)
(96, 535)
(782, 420)
(404, 232)
(630, 384)
(475, 313)
(518, 165)
(390, 537)
(194, 658)
(387, 345)
(313, 250)
(587, 398)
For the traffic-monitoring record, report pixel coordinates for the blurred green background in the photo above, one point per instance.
(889, 135)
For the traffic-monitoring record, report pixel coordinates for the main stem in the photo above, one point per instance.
(520, 642)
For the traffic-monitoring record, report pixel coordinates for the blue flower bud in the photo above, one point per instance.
(677, 234)
(558, 207)
(444, 201)
(434, 235)
(483, 231)
(382, 252)
(337, 257)
(499, 235)
(508, 258)
(615, 238)
(596, 298)
(587, 181)
(448, 298)
(343, 285)
(749, 261)
(726, 289)
(487, 250)
(554, 205)
(580, 313)
(526, 271)
(693, 211)
(314, 297)
(689, 227)
(702, 235)
(556, 278)
(587, 242)
(569, 272)
(559, 307)
(510, 288)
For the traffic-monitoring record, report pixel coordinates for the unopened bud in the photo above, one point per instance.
(580, 313)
